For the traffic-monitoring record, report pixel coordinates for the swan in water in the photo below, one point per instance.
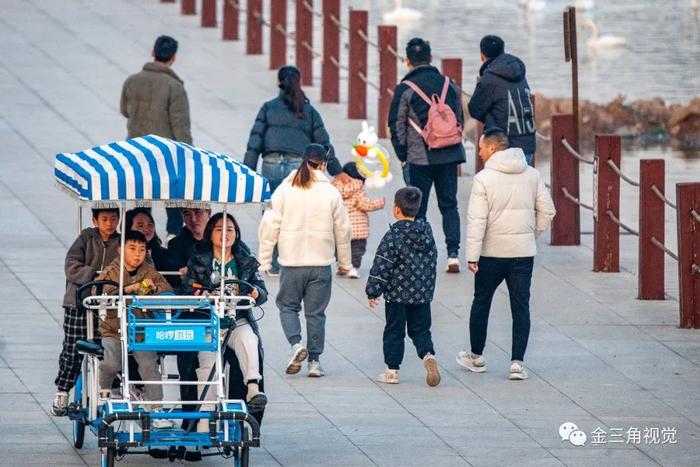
(400, 14)
(605, 41)
(582, 5)
(532, 5)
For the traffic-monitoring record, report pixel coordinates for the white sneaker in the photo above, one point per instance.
(162, 423)
(315, 370)
(517, 371)
(452, 265)
(432, 375)
(471, 362)
(389, 376)
(299, 354)
(353, 274)
(59, 408)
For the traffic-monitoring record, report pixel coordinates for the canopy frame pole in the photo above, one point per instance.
(121, 307)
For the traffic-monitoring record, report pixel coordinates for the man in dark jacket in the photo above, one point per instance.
(502, 96)
(154, 101)
(404, 273)
(428, 167)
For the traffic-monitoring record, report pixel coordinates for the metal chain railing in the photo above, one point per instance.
(542, 137)
(308, 47)
(575, 153)
(695, 215)
(311, 10)
(237, 6)
(339, 25)
(575, 200)
(624, 177)
(611, 215)
(661, 196)
(365, 38)
(395, 53)
(364, 78)
(660, 245)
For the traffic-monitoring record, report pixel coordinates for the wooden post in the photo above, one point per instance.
(606, 233)
(652, 212)
(188, 7)
(304, 41)
(278, 41)
(167, 1)
(254, 39)
(330, 73)
(571, 55)
(388, 76)
(566, 226)
(231, 18)
(357, 62)
(452, 68)
(688, 200)
(532, 104)
(208, 13)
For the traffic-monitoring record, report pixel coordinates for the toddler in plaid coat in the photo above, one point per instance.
(357, 205)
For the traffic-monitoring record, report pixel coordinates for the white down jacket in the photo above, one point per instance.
(308, 225)
(508, 209)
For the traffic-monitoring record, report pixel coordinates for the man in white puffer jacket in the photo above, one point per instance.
(509, 208)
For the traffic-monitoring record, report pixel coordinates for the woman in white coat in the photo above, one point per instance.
(309, 224)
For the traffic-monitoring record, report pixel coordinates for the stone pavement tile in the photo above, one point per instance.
(391, 458)
(585, 456)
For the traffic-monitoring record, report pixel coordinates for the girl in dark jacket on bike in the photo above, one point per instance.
(245, 341)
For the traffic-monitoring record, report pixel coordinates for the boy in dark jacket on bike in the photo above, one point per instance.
(404, 273)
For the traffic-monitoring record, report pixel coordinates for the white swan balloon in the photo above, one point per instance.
(582, 5)
(532, 5)
(606, 41)
(400, 14)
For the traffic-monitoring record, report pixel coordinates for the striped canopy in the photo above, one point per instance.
(152, 168)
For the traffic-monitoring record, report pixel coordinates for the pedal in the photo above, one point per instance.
(158, 453)
(193, 456)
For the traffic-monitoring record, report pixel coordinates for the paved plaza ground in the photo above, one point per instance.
(598, 357)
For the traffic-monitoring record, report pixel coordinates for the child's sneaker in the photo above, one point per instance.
(299, 354)
(59, 408)
(452, 265)
(471, 362)
(432, 375)
(161, 423)
(315, 369)
(353, 274)
(517, 371)
(389, 376)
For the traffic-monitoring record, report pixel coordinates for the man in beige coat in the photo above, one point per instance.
(154, 101)
(509, 208)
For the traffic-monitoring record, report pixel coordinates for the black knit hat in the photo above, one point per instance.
(350, 168)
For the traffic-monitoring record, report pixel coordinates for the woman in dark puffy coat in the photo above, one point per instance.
(283, 128)
(239, 263)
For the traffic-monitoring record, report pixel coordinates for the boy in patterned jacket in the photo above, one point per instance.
(404, 273)
(352, 190)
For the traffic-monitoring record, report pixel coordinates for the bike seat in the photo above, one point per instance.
(86, 347)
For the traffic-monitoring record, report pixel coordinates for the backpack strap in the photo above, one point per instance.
(445, 86)
(418, 91)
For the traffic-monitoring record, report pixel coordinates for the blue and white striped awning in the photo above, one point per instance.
(152, 168)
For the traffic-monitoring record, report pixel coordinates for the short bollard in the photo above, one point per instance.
(566, 225)
(652, 210)
(188, 7)
(606, 233)
(231, 15)
(688, 212)
(278, 28)
(208, 13)
(357, 64)
(330, 72)
(388, 76)
(304, 41)
(254, 24)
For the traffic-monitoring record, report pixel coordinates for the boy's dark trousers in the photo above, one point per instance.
(358, 248)
(517, 272)
(70, 361)
(399, 318)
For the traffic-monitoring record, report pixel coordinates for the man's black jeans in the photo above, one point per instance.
(517, 272)
(444, 177)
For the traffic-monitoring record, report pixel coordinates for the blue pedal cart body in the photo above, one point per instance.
(147, 171)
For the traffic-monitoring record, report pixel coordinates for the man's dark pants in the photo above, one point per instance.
(444, 177)
(517, 272)
(399, 318)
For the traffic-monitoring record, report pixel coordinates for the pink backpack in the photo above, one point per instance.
(441, 129)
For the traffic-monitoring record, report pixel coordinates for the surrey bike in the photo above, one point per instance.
(144, 171)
